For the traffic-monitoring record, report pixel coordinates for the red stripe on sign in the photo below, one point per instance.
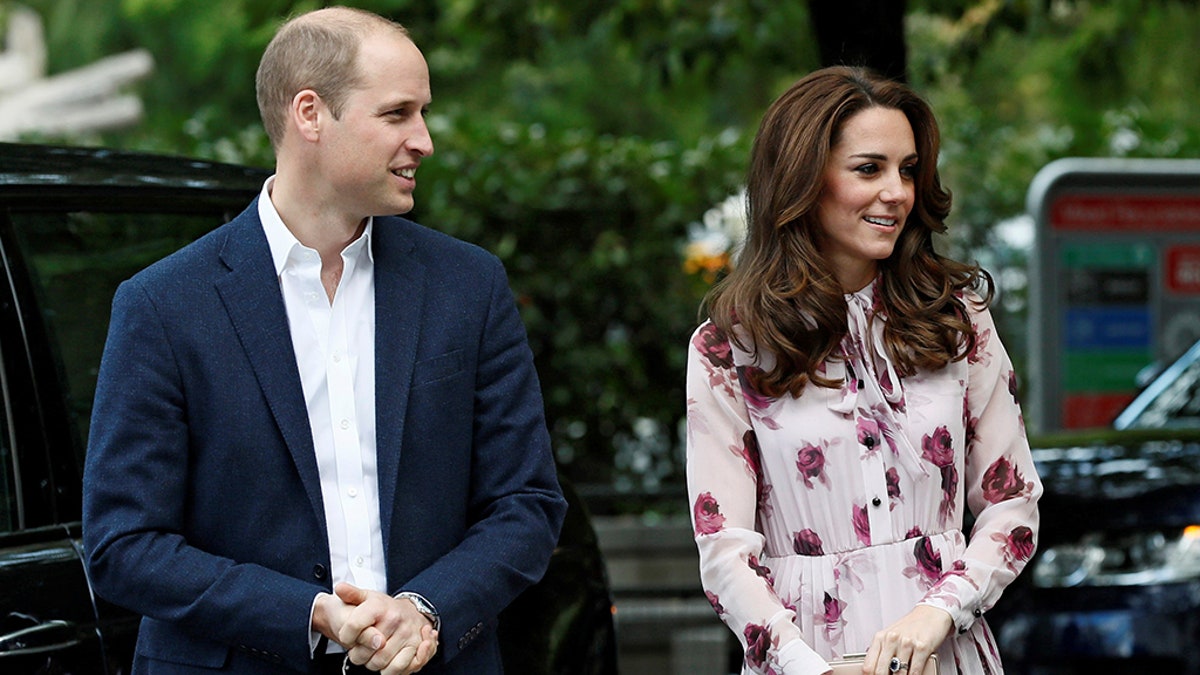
(1092, 410)
(1183, 269)
(1126, 213)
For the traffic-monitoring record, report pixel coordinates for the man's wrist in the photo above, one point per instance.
(423, 606)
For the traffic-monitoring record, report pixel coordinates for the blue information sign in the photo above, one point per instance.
(1108, 328)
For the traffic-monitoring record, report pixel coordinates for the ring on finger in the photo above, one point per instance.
(895, 666)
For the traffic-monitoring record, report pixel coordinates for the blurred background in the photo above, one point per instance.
(598, 147)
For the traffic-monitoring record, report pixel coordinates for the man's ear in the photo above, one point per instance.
(305, 114)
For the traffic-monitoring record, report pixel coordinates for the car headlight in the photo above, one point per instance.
(1124, 559)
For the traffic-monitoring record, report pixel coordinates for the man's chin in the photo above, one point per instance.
(397, 207)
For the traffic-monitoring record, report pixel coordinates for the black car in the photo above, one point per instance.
(74, 223)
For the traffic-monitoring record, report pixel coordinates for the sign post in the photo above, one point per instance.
(1115, 282)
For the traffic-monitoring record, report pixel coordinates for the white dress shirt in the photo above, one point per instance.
(335, 352)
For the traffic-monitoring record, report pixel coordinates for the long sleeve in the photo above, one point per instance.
(723, 489)
(1001, 482)
(135, 516)
(516, 504)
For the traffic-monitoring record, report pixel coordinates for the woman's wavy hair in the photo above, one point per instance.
(783, 294)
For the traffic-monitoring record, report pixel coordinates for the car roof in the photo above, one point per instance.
(31, 169)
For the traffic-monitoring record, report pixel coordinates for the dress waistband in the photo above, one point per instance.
(936, 539)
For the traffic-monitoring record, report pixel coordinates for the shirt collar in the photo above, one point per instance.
(281, 240)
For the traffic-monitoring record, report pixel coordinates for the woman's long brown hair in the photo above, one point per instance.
(782, 292)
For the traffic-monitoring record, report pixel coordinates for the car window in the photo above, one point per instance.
(77, 259)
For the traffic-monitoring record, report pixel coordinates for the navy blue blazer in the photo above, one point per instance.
(202, 502)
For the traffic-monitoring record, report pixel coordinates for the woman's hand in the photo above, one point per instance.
(910, 640)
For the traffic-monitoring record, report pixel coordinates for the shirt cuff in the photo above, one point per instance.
(314, 635)
(957, 597)
(797, 657)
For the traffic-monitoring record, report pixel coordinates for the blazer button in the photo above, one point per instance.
(319, 572)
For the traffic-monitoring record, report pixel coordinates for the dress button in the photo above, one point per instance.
(869, 441)
(978, 612)
(876, 501)
(860, 384)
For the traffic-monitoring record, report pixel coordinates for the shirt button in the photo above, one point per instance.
(359, 561)
(345, 424)
(337, 358)
(353, 492)
(876, 501)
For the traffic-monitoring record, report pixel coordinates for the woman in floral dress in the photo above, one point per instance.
(849, 398)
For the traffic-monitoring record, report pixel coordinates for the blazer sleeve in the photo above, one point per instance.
(515, 499)
(136, 481)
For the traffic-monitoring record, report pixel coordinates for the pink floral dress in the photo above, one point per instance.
(824, 518)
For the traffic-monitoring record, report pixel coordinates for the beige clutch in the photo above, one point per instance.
(851, 664)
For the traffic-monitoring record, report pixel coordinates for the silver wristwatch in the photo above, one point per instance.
(423, 606)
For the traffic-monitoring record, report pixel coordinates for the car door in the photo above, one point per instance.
(47, 618)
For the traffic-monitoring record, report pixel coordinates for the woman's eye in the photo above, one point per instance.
(868, 169)
(909, 171)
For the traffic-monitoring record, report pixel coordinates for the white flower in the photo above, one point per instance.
(717, 238)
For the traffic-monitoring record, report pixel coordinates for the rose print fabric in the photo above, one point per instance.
(822, 519)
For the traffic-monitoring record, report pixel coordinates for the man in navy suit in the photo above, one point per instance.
(318, 434)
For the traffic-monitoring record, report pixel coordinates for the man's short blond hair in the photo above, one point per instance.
(319, 51)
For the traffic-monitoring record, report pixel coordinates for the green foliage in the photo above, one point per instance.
(1017, 85)
(589, 227)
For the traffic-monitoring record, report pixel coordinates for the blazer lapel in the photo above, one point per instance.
(255, 305)
(399, 305)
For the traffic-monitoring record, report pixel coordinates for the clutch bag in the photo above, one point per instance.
(851, 664)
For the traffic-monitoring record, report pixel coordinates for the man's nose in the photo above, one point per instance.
(421, 142)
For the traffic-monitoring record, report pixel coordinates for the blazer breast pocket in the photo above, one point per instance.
(434, 369)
